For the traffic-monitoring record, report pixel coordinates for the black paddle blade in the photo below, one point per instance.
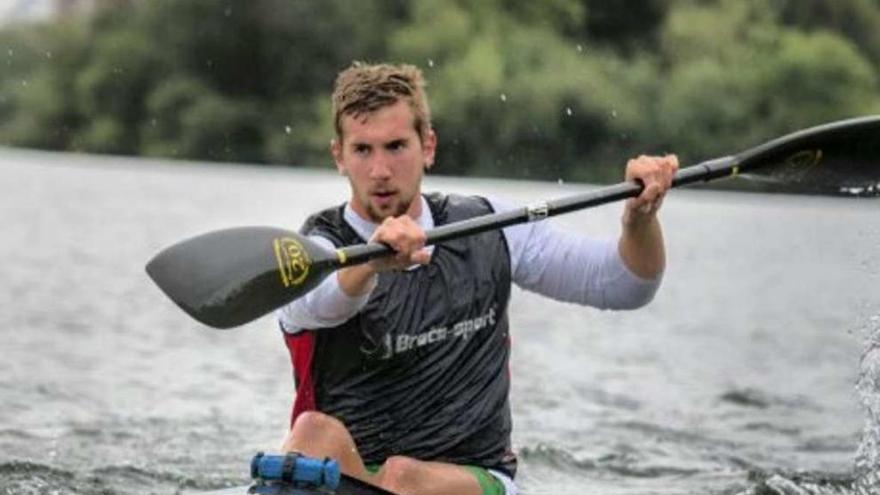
(840, 158)
(230, 277)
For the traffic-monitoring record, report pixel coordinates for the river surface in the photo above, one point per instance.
(744, 366)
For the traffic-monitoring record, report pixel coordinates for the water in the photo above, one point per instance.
(739, 378)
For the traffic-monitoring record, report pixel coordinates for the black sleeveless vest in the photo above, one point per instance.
(422, 370)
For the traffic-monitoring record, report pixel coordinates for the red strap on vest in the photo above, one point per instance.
(301, 346)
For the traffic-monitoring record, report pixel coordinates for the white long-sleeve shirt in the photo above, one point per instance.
(562, 265)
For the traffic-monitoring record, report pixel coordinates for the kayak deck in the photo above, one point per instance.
(347, 486)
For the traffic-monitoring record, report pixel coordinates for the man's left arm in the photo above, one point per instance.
(611, 275)
(641, 240)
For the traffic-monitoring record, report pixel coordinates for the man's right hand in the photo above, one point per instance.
(405, 237)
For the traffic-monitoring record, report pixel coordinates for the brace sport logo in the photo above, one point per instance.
(293, 261)
(390, 345)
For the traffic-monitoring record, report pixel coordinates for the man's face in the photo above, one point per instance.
(384, 160)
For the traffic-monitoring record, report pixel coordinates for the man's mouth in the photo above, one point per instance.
(383, 194)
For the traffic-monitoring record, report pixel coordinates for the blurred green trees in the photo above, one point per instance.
(556, 89)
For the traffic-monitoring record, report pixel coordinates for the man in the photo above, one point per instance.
(401, 364)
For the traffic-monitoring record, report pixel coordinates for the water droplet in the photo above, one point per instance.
(430, 62)
(287, 129)
(10, 52)
(503, 97)
(560, 181)
(48, 54)
(24, 82)
(568, 111)
(614, 114)
(580, 47)
(228, 11)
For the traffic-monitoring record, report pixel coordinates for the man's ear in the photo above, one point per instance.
(429, 148)
(336, 151)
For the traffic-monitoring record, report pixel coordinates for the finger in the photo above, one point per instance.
(421, 257)
(402, 234)
(384, 233)
(639, 206)
(635, 168)
(652, 190)
(672, 168)
(411, 243)
(412, 232)
(392, 239)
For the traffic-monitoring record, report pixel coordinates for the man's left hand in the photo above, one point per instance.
(656, 174)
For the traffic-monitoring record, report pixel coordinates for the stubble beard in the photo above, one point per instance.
(397, 209)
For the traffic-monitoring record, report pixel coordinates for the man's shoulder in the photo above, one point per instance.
(457, 206)
(329, 223)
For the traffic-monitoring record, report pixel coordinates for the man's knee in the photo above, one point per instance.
(313, 428)
(316, 422)
(399, 472)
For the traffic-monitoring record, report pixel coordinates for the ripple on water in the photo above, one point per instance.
(623, 462)
(26, 478)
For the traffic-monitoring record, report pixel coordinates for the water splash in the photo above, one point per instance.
(799, 484)
(503, 97)
(867, 463)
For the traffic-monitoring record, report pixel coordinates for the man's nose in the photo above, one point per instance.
(380, 168)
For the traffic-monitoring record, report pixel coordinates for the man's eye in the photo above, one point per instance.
(396, 145)
(361, 150)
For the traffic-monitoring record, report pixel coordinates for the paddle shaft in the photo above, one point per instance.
(705, 171)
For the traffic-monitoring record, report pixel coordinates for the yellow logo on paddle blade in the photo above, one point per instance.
(293, 261)
(805, 158)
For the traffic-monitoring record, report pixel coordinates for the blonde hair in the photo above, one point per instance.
(364, 88)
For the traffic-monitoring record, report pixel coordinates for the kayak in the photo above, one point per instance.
(295, 474)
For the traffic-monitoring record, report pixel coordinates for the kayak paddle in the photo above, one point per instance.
(230, 277)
